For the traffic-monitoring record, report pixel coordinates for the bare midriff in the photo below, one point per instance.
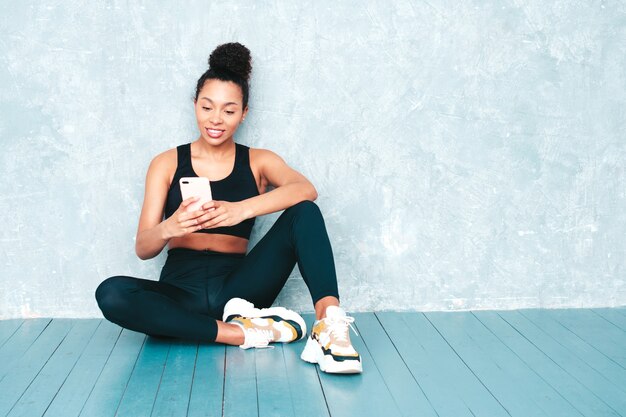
(213, 242)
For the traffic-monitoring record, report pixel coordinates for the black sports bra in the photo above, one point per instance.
(238, 185)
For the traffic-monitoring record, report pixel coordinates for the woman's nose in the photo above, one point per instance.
(215, 118)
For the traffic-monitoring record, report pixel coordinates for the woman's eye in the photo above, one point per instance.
(206, 108)
(230, 112)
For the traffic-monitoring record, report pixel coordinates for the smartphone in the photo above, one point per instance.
(195, 187)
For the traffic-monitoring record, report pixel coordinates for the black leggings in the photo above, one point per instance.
(194, 285)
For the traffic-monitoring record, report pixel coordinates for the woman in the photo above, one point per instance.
(207, 274)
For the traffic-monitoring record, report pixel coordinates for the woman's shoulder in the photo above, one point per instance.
(164, 164)
(166, 157)
(263, 155)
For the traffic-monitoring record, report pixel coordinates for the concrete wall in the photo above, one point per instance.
(468, 155)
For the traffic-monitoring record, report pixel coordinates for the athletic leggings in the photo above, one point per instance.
(194, 285)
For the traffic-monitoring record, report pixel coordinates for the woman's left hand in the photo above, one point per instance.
(221, 213)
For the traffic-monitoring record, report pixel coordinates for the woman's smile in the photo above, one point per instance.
(214, 133)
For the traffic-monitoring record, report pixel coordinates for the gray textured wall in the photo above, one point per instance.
(467, 154)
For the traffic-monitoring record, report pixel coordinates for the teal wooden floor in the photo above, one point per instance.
(483, 363)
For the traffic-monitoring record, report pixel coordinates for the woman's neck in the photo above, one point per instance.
(214, 152)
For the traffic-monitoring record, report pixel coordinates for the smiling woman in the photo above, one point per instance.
(207, 275)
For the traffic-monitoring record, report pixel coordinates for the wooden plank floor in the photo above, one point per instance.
(523, 363)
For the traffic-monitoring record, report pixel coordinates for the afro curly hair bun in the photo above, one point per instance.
(233, 57)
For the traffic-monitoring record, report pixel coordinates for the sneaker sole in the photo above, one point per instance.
(313, 353)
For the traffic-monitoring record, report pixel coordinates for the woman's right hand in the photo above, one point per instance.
(182, 222)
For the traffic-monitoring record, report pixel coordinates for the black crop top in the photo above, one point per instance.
(238, 185)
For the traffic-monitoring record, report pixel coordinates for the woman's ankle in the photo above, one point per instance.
(322, 304)
(230, 334)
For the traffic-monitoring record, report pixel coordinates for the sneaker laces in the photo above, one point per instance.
(338, 327)
(258, 338)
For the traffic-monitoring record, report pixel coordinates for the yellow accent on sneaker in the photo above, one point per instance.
(329, 344)
(259, 332)
(238, 307)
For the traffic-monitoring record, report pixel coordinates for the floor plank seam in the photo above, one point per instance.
(378, 369)
(588, 344)
(15, 331)
(293, 410)
(156, 394)
(28, 348)
(557, 364)
(73, 366)
(40, 369)
(193, 377)
(569, 348)
(119, 403)
(406, 323)
(528, 365)
(405, 364)
(224, 381)
(100, 373)
(467, 366)
(319, 379)
(607, 320)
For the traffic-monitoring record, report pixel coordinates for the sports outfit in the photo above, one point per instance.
(194, 286)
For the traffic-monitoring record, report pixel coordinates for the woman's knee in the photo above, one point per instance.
(109, 295)
(306, 208)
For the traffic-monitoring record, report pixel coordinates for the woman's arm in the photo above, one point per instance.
(151, 237)
(153, 232)
(291, 187)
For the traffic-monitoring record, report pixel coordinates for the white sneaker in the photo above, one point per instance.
(264, 326)
(329, 344)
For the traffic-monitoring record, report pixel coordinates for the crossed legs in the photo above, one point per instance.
(157, 308)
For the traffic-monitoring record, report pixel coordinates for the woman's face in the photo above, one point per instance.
(219, 110)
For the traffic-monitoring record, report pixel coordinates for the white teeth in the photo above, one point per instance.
(214, 132)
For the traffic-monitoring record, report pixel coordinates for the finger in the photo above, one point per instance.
(193, 216)
(186, 215)
(191, 223)
(212, 204)
(189, 200)
(216, 222)
(212, 213)
(190, 229)
(197, 213)
(194, 228)
(184, 205)
(207, 216)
